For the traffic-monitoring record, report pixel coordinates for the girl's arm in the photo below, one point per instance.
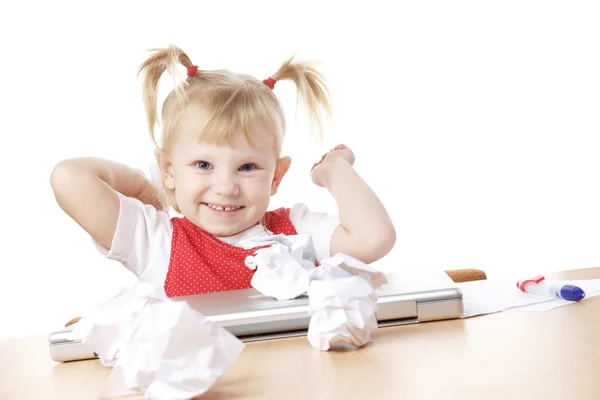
(85, 188)
(366, 231)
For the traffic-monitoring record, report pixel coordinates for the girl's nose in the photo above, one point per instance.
(226, 185)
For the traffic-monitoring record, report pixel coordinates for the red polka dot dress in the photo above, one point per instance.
(201, 263)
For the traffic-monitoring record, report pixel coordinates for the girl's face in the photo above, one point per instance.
(222, 189)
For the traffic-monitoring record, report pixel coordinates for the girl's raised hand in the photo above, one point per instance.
(319, 168)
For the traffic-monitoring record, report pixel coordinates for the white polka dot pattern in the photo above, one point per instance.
(201, 263)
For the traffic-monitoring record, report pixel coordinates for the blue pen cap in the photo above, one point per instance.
(572, 293)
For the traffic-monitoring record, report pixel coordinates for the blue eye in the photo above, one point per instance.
(247, 167)
(202, 165)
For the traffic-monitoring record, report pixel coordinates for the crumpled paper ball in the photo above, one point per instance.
(156, 346)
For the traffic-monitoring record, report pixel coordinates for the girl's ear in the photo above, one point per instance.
(282, 167)
(166, 168)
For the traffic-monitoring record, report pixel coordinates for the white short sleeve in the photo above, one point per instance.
(319, 225)
(142, 241)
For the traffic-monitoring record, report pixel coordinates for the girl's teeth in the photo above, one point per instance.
(223, 208)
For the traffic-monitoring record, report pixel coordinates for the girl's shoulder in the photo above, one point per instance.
(142, 239)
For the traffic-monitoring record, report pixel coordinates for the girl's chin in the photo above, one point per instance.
(221, 230)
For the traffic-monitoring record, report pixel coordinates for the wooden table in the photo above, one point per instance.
(523, 355)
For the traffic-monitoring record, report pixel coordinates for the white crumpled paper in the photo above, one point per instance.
(283, 269)
(342, 291)
(343, 302)
(157, 346)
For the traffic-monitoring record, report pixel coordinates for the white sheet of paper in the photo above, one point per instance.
(493, 295)
(591, 287)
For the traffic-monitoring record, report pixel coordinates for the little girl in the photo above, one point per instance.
(219, 160)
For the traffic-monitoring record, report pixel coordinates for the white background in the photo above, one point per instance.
(475, 122)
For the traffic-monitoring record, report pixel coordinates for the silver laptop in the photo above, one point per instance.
(250, 316)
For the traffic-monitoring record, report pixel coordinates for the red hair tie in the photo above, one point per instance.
(192, 70)
(270, 82)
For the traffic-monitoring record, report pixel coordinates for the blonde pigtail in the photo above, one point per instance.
(152, 69)
(312, 91)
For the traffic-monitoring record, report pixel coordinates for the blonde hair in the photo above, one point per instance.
(234, 102)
